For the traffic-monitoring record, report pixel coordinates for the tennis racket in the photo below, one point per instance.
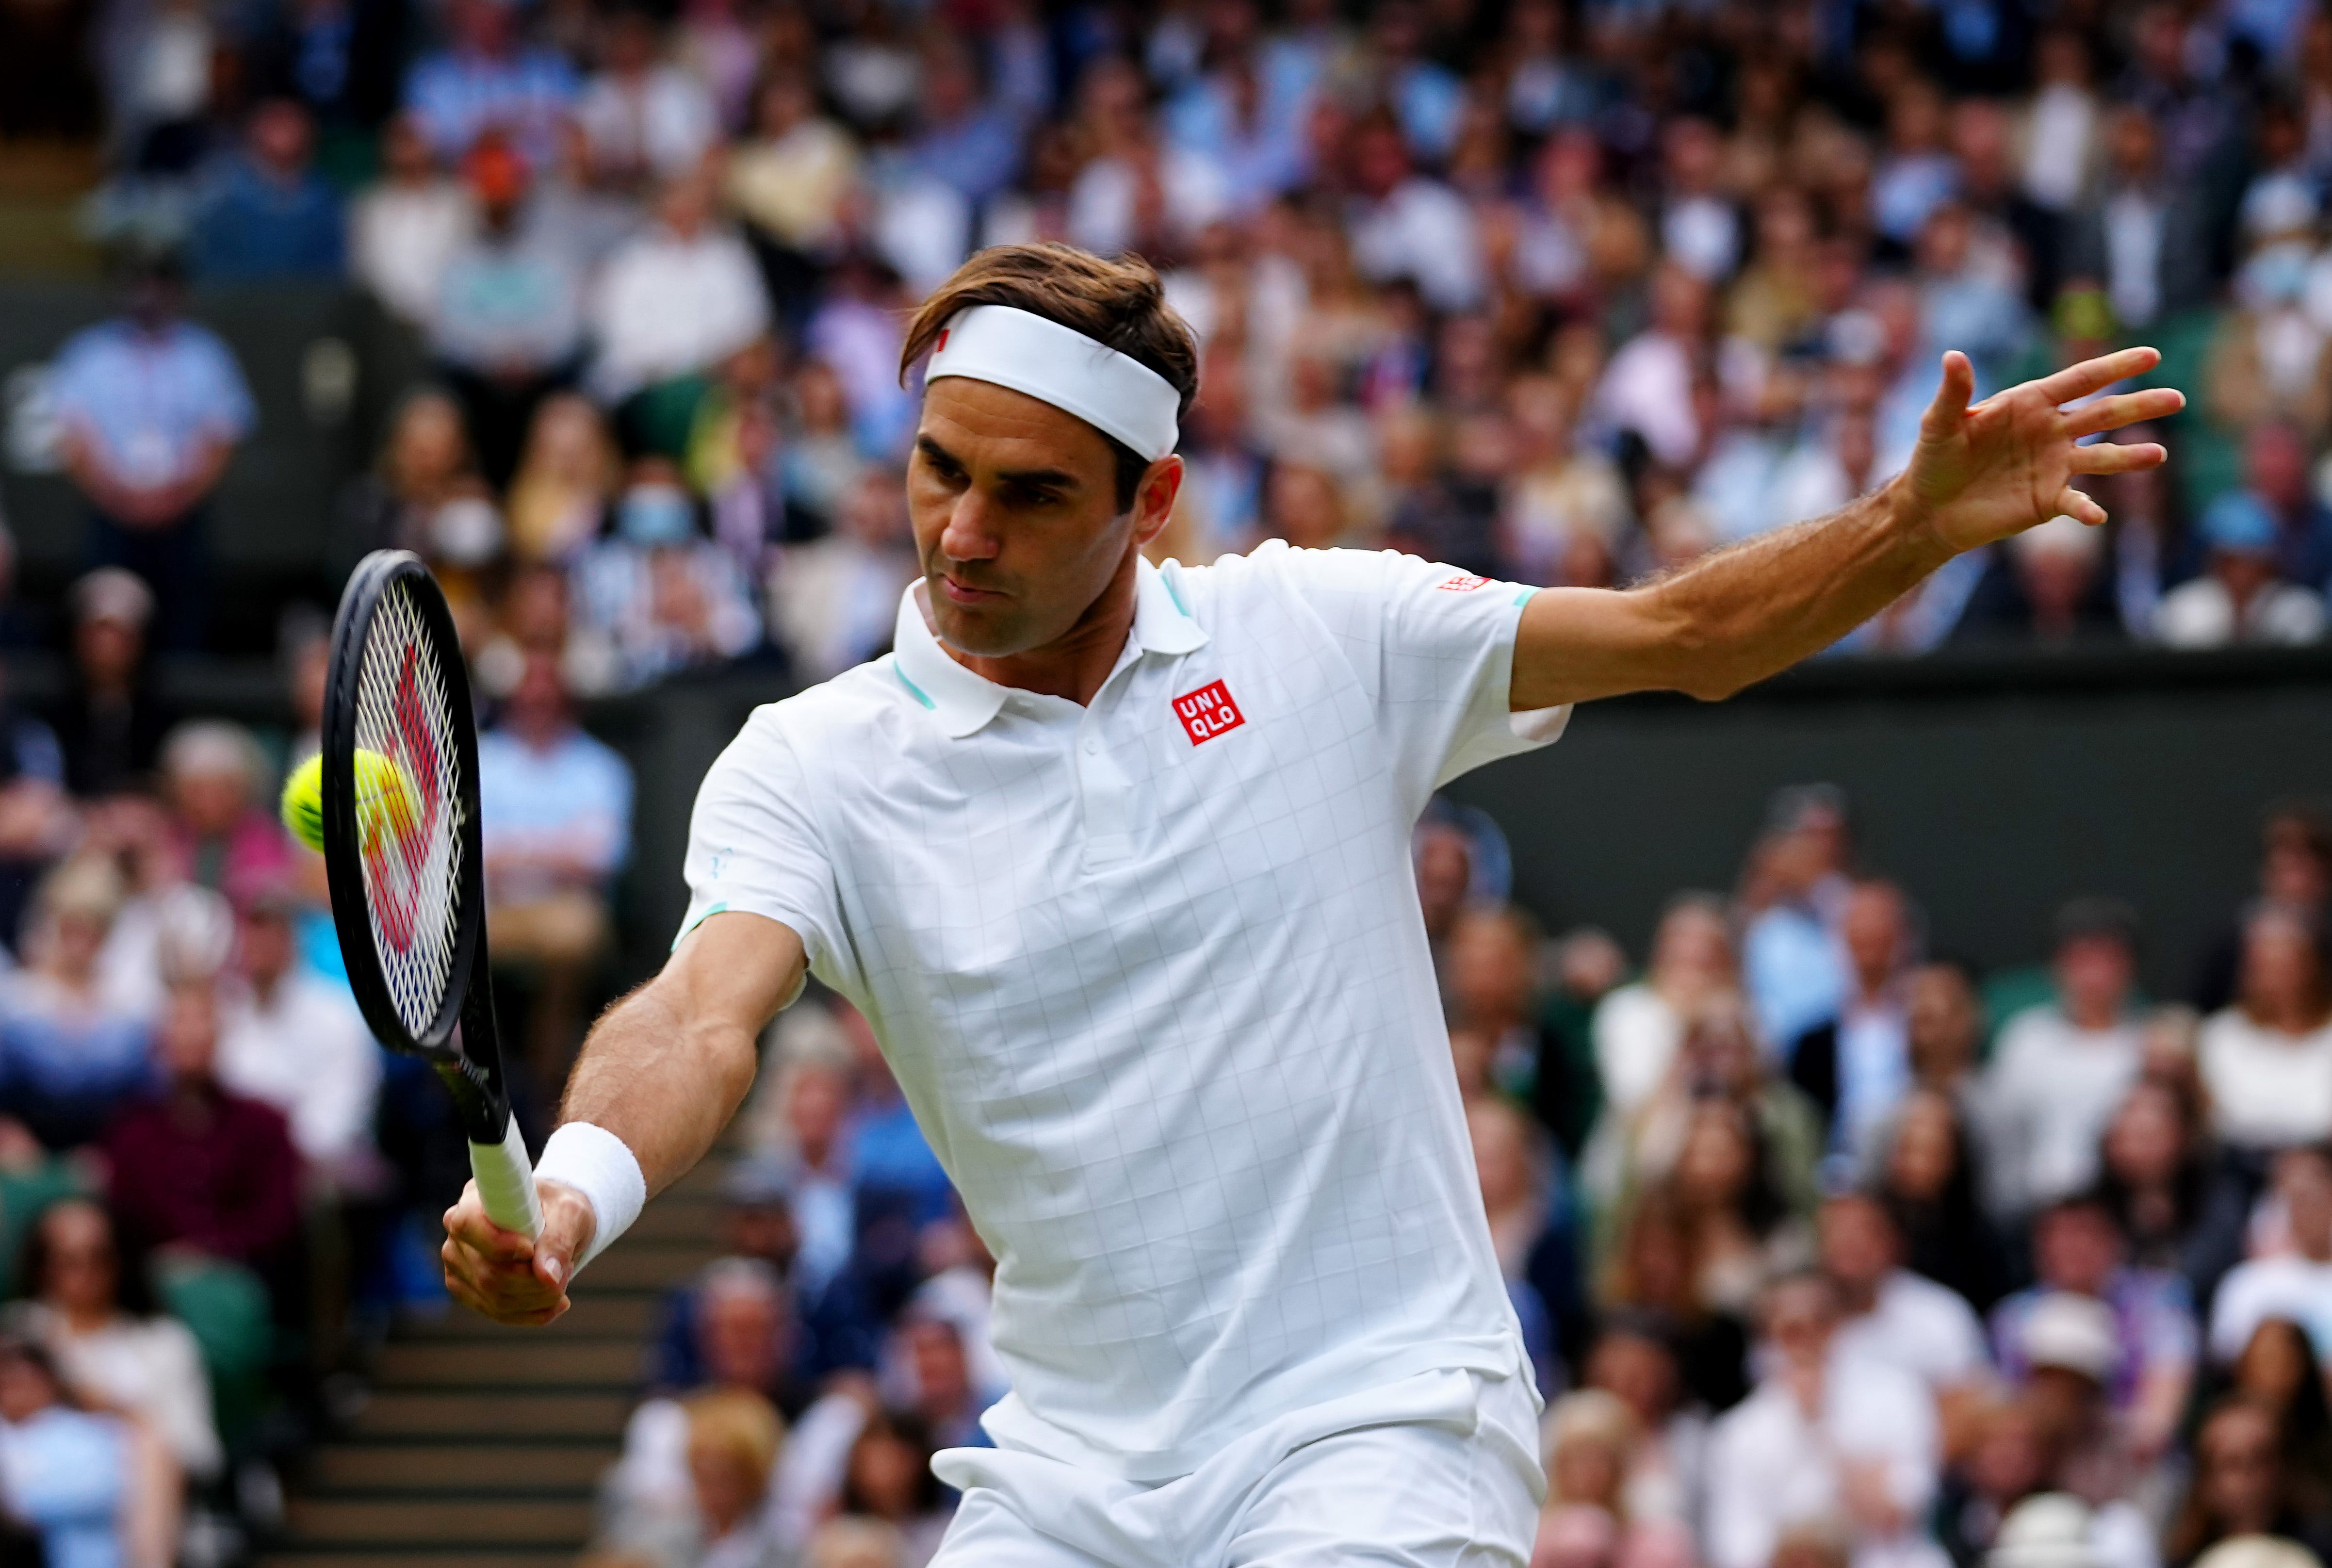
(401, 850)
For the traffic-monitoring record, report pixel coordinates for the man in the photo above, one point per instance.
(1116, 861)
(556, 808)
(1890, 1314)
(2060, 1069)
(2238, 597)
(2079, 1253)
(151, 407)
(271, 217)
(293, 1040)
(1789, 952)
(1857, 1067)
(1825, 1436)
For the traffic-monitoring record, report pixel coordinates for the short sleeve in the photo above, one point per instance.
(754, 847)
(1435, 647)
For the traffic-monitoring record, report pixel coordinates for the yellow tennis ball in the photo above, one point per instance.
(303, 803)
(383, 800)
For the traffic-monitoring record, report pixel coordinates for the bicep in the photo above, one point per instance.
(1576, 644)
(735, 969)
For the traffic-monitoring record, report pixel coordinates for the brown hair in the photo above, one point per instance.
(1120, 303)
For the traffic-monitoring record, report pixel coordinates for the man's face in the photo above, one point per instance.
(2095, 973)
(2077, 1249)
(1014, 504)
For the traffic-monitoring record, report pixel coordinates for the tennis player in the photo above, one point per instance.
(1115, 858)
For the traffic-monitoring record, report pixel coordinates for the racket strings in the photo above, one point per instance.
(409, 827)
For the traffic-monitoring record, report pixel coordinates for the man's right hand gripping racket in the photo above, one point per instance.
(401, 849)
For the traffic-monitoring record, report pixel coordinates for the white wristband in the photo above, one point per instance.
(600, 1166)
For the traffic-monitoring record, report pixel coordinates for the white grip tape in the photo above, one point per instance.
(602, 1167)
(505, 1184)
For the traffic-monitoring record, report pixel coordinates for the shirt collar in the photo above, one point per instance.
(963, 701)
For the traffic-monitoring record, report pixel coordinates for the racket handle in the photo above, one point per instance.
(506, 1182)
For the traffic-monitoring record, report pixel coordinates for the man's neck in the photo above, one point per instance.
(1075, 664)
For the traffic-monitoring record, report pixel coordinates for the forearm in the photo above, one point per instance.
(1747, 613)
(663, 1082)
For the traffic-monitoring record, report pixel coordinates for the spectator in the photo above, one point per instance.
(89, 1305)
(404, 231)
(1632, 1359)
(1927, 1179)
(887, 1476)
(68, 1059)
(1889, 1313)
(565, 482)
(2060, 1068)
(2241, 1487)
(2295, 874)
(1639, 1027)
(2180, 1215)
(691, 1483)
(556, 808)
(1593, 1439)
(2295, 1283)
(669, 305)
(2266, 1060)
(220, 833)
(1820, 1438)
(490, 79)
(646, 118)
(1512, 1163)
(151, 407)
(424, 495)
(2239, 599)
(1795, 887)
(293, 1040)
(1405, 225)
(790, 183)
(2080, 1257)
(92, 1485)
(2278, 1371)
(200, 1168)
(834, 601)
(271, 217)
(1944, 1028)
(1858, 1067)
(506, 323)
(657, 597)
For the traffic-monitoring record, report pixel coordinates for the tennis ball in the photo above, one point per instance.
(383, 800)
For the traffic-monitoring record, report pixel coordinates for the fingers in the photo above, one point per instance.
(2079, 507)
(2105, 457)
(2096, 375)
(1944, 414)
(2128, 408)
(500, 1274)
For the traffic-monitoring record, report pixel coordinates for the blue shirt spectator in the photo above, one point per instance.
(71, 1056)
(555, 805)
(64, 1472)
(969, 145)
(271, 215)
(489, 80)
(148, 403)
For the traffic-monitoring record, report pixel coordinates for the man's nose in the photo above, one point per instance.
(969, 534)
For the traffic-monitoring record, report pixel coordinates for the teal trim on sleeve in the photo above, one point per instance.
(1168, 583)
(1524, 597)
(721, 908)
(911, 686)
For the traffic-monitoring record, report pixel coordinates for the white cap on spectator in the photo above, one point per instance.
(111, 594)
(2075, 1332)
(2048, 1531)
(2257, 1551)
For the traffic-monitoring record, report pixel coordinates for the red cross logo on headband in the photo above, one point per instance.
(942, 349)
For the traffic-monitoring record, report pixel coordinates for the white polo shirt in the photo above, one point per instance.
(1152, 975)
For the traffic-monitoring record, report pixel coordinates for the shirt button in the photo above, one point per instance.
(1093, 747)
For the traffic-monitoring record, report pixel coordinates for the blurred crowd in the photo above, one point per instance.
(1560, 291)
(217, 1194)
(1827, 1250)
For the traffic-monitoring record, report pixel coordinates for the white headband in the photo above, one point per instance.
(1119, 395)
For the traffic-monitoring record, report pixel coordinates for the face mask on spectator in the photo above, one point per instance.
(655, 514)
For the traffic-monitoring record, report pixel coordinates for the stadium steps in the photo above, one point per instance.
(480, 1447)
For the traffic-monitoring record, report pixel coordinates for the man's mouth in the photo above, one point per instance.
(963, 593)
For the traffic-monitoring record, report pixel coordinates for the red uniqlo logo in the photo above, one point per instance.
(1208, 712)
(1463, 584)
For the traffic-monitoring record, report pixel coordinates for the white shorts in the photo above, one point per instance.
(1437, 1471)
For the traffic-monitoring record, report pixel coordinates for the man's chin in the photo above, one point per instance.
(982, 631)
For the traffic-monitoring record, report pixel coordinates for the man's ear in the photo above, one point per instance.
(1153, 499)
